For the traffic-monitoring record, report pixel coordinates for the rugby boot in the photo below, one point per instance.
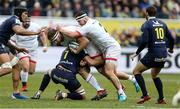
(122, 97)
(100, 95)
(144, 99)
(18, 96)
(36, 96)
(58, 95)
(161, 101)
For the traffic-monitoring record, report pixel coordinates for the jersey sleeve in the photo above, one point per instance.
(170, 38)
(144, 38)
(83, 31)
(16, 22)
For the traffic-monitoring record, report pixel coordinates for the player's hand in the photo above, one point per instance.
(83, 63)
(22, 50)
(45, 49)
(133, 56)
(170, 52)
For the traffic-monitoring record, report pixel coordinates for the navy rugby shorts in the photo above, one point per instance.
(67, 79)
(151, 61)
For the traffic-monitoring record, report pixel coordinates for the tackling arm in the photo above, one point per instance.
(68, 33)
(21, 31)
(93, 62)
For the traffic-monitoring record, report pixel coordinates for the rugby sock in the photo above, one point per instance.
(141, 83)
(159, 87)
(74, 96)
(24, 78)
(45, 82)
(132, 79)
(92, 80)
(120, 91)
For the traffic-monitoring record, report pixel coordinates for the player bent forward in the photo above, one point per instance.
(65, 73)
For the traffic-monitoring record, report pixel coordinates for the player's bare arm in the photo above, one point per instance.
(12, 44)
(93, 62)
(71, 34)
(21, 31)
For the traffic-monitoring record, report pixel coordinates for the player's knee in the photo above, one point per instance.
(82, 93)
(48, 72)
(26, 68)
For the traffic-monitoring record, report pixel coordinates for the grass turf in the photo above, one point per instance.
(171, 84)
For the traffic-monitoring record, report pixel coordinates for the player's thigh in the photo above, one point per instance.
(33, 61)
(155, 72)
(139, 68)
(111, 57)
(4, 57)
(23, 59)
(24, 63)
(16, 72)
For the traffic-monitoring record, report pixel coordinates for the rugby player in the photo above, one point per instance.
(65, 73)
(28, 60)
(109, 47)
(154, 35)
(8, 28)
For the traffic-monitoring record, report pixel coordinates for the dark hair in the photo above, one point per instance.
(18, 11)
(79, 13)
(151, 11)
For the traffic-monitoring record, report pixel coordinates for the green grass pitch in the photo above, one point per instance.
(171, 84)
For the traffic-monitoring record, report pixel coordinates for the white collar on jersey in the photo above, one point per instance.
(151, 18)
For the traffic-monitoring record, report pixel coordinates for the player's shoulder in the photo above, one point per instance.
(34, 24)
(13, 19)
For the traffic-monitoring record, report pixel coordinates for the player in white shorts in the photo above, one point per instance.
(92, 30)
(28, 60)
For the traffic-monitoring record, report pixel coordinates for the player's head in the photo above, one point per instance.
(21, 12)
(151, 11)
(26, 23)
(54, 35)
(81, 17)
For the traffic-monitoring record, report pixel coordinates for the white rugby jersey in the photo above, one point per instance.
(97, 34)
(28, 42)
(91, 49)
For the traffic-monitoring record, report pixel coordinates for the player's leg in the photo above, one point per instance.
(138, 70)
(176, 99)
(85, 73)
(124, 76)
(158, 84)
(33, 61)
(76, 91)
(24, 63)
(44, 83)
(111, 56)
(16, 77)
(6, 66)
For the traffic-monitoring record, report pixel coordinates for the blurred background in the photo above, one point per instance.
(121, 18)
